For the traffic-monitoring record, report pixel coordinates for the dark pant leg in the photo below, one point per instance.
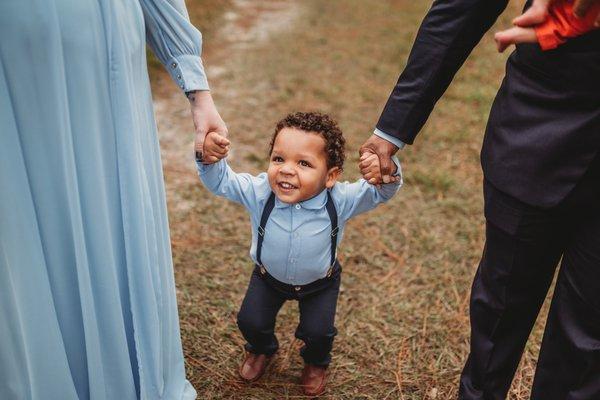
(569, 362)
(316, 328)
(523, 246)
(256, 318)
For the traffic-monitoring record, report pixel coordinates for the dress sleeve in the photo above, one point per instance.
(175, 42)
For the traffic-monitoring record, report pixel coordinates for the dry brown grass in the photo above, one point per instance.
(403, 312)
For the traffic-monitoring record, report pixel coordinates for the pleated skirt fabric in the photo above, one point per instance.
(87, 295)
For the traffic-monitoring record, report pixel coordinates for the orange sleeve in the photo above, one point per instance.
(562, 24)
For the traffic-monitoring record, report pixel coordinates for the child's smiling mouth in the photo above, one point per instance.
(286, 186)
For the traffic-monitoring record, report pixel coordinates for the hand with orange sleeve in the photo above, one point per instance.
(551, 23)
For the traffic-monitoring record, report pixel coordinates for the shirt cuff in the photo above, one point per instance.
(210, 169)
(394, 140)
(398, 166)
(188, 72)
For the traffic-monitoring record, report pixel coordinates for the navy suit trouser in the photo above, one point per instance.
(524, 245)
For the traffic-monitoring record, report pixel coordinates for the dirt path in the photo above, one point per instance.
(247, 25)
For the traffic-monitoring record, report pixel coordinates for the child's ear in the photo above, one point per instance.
(332, 176)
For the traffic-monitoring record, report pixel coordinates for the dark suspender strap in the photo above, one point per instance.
(330, 206)
(261, 228)
(334, 228)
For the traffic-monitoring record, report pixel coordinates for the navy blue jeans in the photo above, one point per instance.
(256, 318)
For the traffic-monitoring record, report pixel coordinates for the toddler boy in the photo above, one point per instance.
(298, 212)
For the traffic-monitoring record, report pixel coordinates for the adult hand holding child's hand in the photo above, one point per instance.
(384, 151)
(206, 119)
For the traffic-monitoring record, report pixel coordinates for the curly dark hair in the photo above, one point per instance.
(319, 123)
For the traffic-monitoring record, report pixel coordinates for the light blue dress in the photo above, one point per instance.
(87, 297)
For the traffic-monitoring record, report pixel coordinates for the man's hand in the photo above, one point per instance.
(371, 169)
(384, 151)
(216, 147)
(206, 119)
(537, 13)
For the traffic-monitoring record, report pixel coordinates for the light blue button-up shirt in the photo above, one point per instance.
(297, 245)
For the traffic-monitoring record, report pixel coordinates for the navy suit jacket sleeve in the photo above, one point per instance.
(448, 34)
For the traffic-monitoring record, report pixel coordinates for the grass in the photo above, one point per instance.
(403, 310)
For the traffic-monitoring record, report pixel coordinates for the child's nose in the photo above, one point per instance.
(287, 169)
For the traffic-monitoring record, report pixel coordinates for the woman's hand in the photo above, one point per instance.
(206, 119)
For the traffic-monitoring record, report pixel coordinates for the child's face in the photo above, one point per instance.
(298, 166)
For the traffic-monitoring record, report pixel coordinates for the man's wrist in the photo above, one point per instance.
(393, 140)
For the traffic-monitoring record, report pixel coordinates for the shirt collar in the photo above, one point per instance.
(314, 203)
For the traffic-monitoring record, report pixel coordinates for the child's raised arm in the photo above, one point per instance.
(361, 196)
(221, 180)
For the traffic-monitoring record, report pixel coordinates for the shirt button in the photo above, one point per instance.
(174, 65)
(297, 206)
(179, 77)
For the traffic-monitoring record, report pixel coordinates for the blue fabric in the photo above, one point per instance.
(394, 140)
(87, 296)
(297, 246)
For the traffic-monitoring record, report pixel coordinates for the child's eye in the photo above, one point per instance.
(304, 163)
(277, 159)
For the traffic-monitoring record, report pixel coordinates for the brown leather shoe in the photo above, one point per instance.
(254, 366)
(313, 379)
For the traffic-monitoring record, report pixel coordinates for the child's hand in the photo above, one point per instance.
(216, 147)
(535, 15)
(370, 168)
